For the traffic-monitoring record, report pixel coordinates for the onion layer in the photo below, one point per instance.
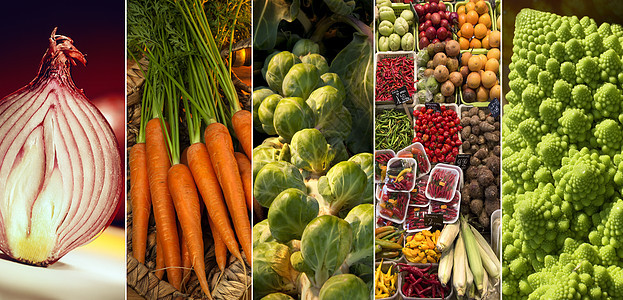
(60, 169)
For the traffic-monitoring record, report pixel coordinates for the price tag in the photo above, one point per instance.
(462, 161)
(494, 107)
(432, 105)
(401, 95)
(433, 219)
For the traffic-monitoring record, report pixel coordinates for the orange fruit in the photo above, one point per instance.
(475, 64)
(481, 7)
(464, 43)
(483, 58)
(473, 80)
(467, 30)
(470, 6)
(492, 65)
(494, 39)
(461, 10)
(465, 58)
(480, 30)
(462, 19)
(485, 19)
(485, 42)
(475, 43)
(494, 53)
(472, 17)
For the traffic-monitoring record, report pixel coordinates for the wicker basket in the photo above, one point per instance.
(233, 283)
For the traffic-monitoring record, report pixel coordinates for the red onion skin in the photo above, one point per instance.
(78, 155)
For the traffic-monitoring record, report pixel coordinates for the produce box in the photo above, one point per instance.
(451, 106)
(460, 92)
(379, 57)
(491, 12)
(398, 8)
(433, 270)
(385, 133)
(414, 219)
(442, 183)
(449, 8)
(450, 210)
(418, 194)
(416, 151)
(386, 266)
(381, 157)
(393, 205)
(401, 174)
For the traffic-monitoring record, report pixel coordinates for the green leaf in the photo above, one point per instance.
(266, 18)
(357, 76)
(340, 7)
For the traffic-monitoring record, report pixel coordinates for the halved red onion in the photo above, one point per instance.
(60, 169)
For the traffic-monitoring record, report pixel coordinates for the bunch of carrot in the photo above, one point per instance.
(171, 180)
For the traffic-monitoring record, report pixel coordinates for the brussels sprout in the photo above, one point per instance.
(386, 13)
(334, 80)
(337, 125)
(278, 67)
(300, 81)
(342, 186)
(291, 115)
(272, 271)
(365, 162)
(361, 220)
(401, 26)
(275, 177)
(324, 101)
(261, 233)
(267, 61)
(383, 43)
(266, 113)
(259, 95)
(407, 42)
(325, 243)
(344, 286)
(318, 61)
(310, 151)
(304, 47)
(283, 149)
(386, 28)
(290, 213)
(394, 42)
(407, 14)
(262, 155)
(277, 296)
(424, 96)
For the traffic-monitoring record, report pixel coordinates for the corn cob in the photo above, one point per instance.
(460, 262)
(489, 259)
(445, 266)
(448, 235)
(473, 254)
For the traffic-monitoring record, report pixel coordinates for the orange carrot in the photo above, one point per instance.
(159, 259)
(220, 250)
(246, 173)
(141, 200)
(186, 261)
(219, 144)
(210, 190)
(164, 213)
(184, 157)
(186, 200)
(241, 121)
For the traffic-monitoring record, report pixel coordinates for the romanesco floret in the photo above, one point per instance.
(587, 71)
(550, 111)
(557, 51)
(596, 44)
(531, 98)
(577, 31)
(604, 29)
(541, 61)
(610, 65)
(608, 136)
(546, 82)
(567, 72)
(612, 42)
(581, 97)
(607, 102)
(574, 50)
(585, 179)
(520, 167)
(533, 74)
(553, 66)
(575, 124)
(551, 149)
(562, 91)
(531, 131)
(564, 33)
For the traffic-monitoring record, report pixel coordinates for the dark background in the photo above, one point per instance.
(599, 10)
(97, 29)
